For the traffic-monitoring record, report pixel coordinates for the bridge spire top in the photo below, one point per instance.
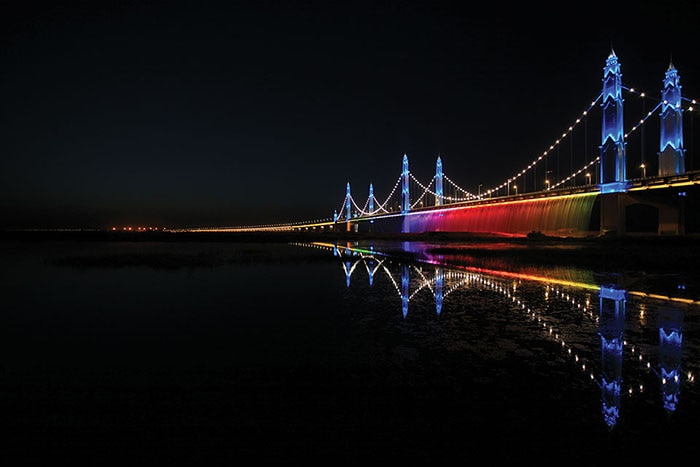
(405, 194)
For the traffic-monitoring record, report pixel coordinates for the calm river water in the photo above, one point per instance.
(341, 353)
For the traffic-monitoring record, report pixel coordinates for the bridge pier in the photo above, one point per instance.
(623, 213)
(612, 337)
(671, 220)
(612, 214)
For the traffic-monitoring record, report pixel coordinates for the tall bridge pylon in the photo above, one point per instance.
(613, 163)
(671, 151)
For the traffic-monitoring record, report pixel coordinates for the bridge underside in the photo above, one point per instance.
(644, 212)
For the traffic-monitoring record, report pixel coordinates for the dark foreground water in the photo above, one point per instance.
(156, 352)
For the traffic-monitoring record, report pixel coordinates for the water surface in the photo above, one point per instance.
(341, 352)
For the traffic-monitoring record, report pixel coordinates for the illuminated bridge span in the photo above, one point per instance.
(594, 196)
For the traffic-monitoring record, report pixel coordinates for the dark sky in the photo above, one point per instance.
(184, 114)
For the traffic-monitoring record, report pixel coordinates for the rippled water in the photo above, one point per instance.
(352, 352)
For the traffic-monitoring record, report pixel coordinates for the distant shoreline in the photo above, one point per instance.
(533, 238)
(293, 236)
(639, 252)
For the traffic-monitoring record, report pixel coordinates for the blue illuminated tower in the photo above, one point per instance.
(612, 329)
(405, 195)
(405, 284)
(438, 182)
(613, 173)
(671, 152)
(439, 294)
(348, 213)
(371, 203)
(670, 354)
(348, 268)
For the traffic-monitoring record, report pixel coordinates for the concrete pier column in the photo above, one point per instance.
(612, 214)
(670, 220)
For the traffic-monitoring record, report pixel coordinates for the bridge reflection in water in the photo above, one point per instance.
(602, 328)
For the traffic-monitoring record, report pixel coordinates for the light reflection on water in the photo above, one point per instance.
(629, 343)
(373, 351)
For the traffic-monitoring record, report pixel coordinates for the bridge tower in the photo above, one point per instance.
(438, 182)
(348, 205)
(405, 195)
(371, 269)
(405, 288)
(613, 173)
(670, 354)
(439, 293)
(612, 329)
(371, 204)
(671, 152)
(348, 268)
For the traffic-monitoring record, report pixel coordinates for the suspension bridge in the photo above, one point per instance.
(596, 197)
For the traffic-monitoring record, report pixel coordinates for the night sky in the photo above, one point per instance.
(191, 114)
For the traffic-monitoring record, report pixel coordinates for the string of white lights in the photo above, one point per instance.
(540, 158)
(573, 175)
(468, 196)
(423, 284)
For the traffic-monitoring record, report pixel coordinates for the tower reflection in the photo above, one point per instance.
(670, 355)
(563, 306)
(612, 333)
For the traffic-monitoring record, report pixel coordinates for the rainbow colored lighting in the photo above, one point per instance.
(569, 215)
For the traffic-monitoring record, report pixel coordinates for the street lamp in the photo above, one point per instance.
(547, 183)
(516, 189)
(479, 189)
(644, 170)
(588, 178)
